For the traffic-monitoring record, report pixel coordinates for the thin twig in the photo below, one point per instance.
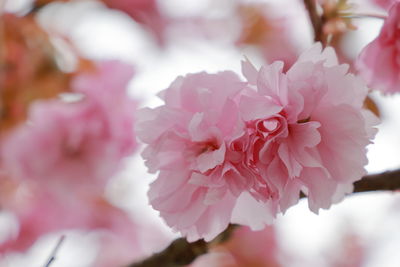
(54, 252)
(180, 252)
(362, 16)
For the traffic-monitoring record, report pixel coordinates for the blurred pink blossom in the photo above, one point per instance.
(269, 32)
(56, 166)
(80, 143)
(350, 252)
(41, 212)
(379, 61)
(385, 4)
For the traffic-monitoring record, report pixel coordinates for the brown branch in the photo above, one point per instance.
(180, 252)
(316, 21)
(389, 180)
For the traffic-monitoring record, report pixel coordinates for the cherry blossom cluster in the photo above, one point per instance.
(226, 148)
(54, 167)
(233, 151)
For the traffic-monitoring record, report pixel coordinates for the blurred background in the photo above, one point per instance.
(167, 38)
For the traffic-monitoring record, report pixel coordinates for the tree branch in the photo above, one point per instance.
(316, 21)
(389, 180)
(180, 252)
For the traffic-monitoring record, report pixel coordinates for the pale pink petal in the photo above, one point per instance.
(249, 71)
(252, 109)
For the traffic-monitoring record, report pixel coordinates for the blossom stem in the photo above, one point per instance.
(316, 21)
(180, 252)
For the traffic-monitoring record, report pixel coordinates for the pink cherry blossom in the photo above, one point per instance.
(76, 143)
(41, 212)
(56, 165)
(261, 27)
(306, 129)
(233, 152)
(379, 61)
(196, 187)
(385, 4)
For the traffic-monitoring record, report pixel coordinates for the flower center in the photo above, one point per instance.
(304, 120)
(208, 146)
(268, 126)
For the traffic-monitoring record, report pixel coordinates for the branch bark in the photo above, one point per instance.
(180, 252)
(389, 180)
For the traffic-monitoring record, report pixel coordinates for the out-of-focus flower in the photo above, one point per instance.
(268, 33)
(385, 4)
(334, 22)
(107, 87)
(379, 61)
(145, 12)
(221, 146)
(80, 143)
(119, 237)
(28, 68)
(350, 252)
(244, 248)
(40, 212)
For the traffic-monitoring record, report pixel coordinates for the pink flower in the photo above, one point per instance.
(79, 143)
(40, 212)
(263, 28)
(351, 251)
(196, 187)
(385, 4)
(241, 153)
(379, 61)
(59, 162)
(306, 129)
